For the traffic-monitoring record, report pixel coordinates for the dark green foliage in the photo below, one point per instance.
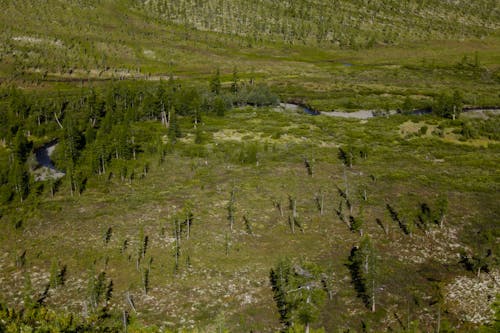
(144, 246)
(96, 127)
(177, 244)
(248, 225)
(145, 280)
(108, 235)
(219, 106)
(293, 221)
(215, 84)
(257, 95)
(235, 81)
(308, 166)
(407, 105)
(423, 130)
(21, 147)
(347, 155)
(476, 263)
(395, 216)
(448, 105)
(381, 225)
(484, 255)
(188, 102)
(174, 129)
(424, 218)
(109, 292)
(71, 143)
(362, 266)
(231, 208)
(124, 246)
(97, 289)
(19, 179)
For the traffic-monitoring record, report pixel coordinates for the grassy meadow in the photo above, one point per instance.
(52, 45)
(224, 274)
(186, 234)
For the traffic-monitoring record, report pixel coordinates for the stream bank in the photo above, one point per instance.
(46, 169)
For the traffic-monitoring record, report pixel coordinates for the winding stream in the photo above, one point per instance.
(367, 114)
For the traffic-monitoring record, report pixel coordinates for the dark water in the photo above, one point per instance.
(43, 158)
(311, 112)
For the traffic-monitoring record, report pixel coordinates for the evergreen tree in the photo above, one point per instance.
(21, 147)
(347, 155)
(219, 106)
(235, 81)
(215, 84)
(362, 265)
(20, 179)
(161, 104)
(298, 292)
(174, 130)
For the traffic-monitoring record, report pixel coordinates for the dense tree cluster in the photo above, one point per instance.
(97, 129)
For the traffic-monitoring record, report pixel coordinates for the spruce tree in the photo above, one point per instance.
(215, 84)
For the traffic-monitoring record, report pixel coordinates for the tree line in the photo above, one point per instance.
(98, 129)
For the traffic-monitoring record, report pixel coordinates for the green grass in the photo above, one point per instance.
(51, 45)
(411, 49)
(71, 229)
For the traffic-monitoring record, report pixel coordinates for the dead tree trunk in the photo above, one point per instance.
(373, 295)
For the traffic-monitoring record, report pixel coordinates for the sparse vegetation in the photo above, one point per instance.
(150, 179)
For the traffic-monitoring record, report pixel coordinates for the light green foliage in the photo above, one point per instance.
(298, 292)
(323, 22)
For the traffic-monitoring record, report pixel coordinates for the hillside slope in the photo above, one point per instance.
(353, 23)
(191, 200)
(347, 55)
